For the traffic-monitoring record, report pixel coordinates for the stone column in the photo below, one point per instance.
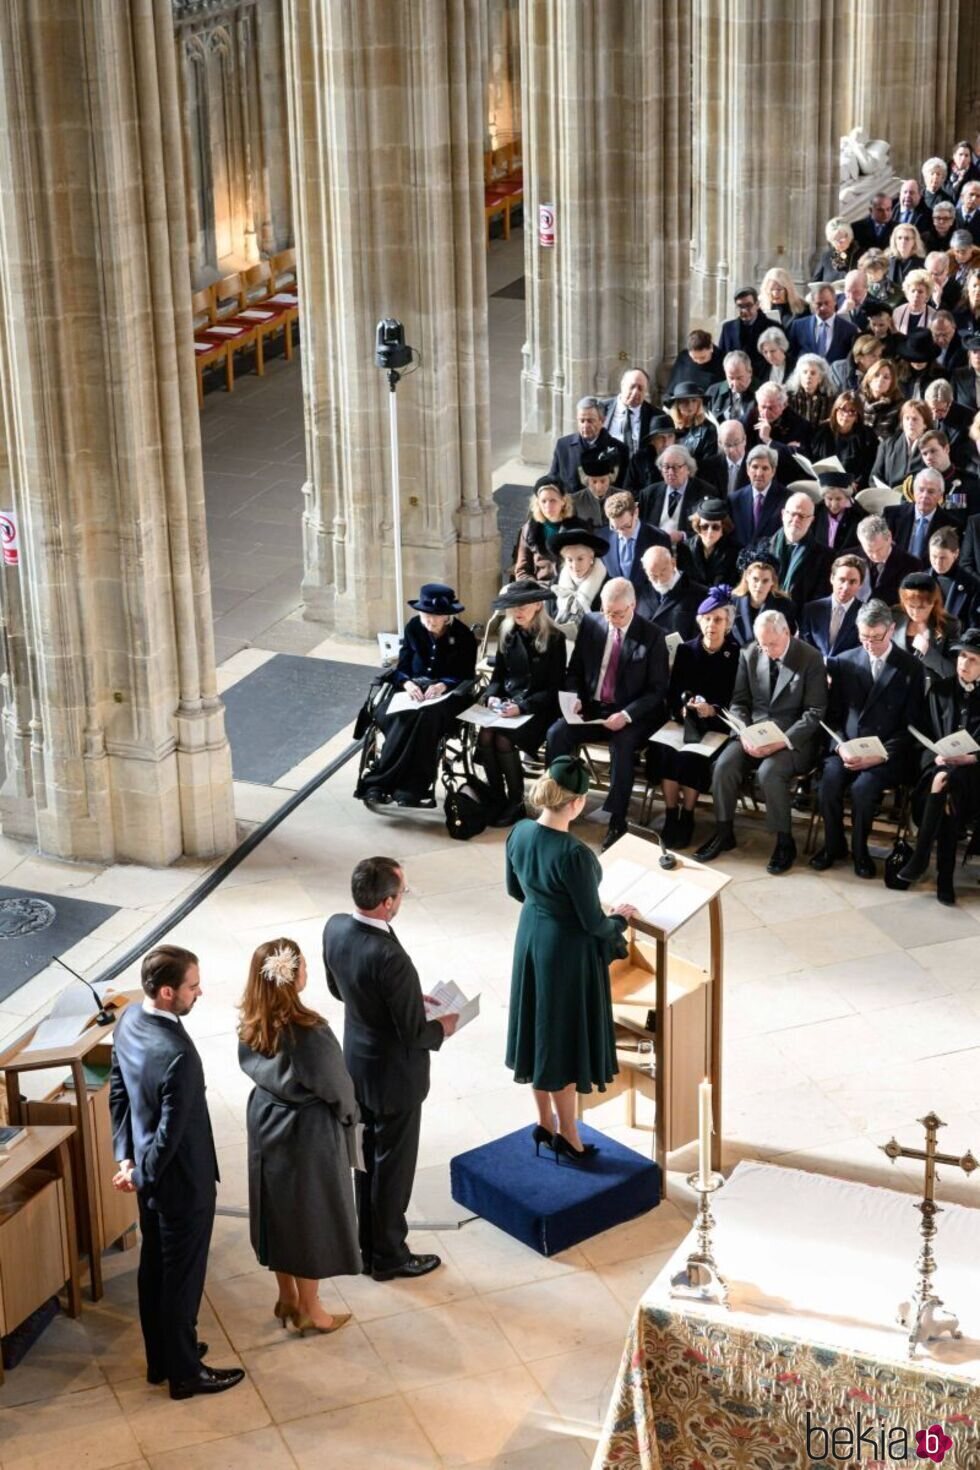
(770, 80)
(606, 107)
(387, 119)
(108, 617)
(904, 76)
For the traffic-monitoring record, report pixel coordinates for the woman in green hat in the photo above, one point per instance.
(560, 1035)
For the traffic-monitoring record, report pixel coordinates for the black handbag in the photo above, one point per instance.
(900, 854)
(466, 807)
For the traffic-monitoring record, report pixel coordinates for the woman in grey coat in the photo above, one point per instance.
(301, 1123)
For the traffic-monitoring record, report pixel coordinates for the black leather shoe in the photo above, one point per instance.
(721, 840)
(783, 856)
(414, 1266)
(154, 1378)
(209, 1380)
(614, 832)
(865, 865)
(823, 859)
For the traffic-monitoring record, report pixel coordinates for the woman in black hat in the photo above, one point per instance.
(528, 669)
(918, 353)
(438, 657)
(845, 434)
(598, 472)
(695, 431)
(580, 580)
(701, 684)
(758, 591)
(837, 517)
(710, 554)
(560, 1034)
(549, 513)
(946, 802)
(923, 627)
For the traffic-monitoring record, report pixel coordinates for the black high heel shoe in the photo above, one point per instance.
(564, 1150)
(542, 1135)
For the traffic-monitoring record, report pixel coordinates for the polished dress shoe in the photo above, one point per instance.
(614, 832)
(721, 840)
(414, 1266)
(158, 1378)
(208, 1380)
(864, 865)
(783, 855)
(824, 859)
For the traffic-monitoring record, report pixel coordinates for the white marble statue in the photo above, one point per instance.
(865, 170)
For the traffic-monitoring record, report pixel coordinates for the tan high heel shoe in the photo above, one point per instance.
(305, 1324)
(284, 1312)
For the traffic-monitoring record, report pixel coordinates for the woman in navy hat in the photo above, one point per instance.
(528, 669)
(701, 683)
(758, 591)
(438, 657)
(947, 799)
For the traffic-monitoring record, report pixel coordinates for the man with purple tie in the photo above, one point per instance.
(756, 509)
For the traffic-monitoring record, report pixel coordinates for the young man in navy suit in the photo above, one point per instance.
(628, 538)
(619, 671)
(877, 689)
(757, 509)
(829, 624)
(161, 1133)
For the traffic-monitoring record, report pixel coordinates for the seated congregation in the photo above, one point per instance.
(789, 538)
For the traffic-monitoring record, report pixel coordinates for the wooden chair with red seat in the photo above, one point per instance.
(494, 198)
(208, 352)
(263, 310)
(227, 325)
(511, 179)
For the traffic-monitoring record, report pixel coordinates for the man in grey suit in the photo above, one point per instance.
(780, 678)
(387, 1041)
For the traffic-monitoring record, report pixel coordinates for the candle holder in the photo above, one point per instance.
(700, 1279)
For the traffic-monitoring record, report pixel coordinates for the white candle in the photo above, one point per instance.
(705, 1131)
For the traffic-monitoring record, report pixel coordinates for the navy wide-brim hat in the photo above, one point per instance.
(759, 553)
(436, 598)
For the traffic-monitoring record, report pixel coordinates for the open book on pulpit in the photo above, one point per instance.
(664, 898)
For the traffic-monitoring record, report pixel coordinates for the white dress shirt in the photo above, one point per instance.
(152, 1010)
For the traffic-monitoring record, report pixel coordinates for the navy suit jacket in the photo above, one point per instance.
(961, 595)
(677, 611)
(646, 537)
(160, 1113)
(730, 339)
(643, 673)
(803, 336)
(740, 509)
(901, 519)
(815, 626)
(646, 414)
(861, 706)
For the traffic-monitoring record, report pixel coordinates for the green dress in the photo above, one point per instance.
(560, 1027)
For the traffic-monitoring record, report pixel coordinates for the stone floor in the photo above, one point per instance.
(849, 1012)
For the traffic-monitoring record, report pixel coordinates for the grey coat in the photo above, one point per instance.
(800, 699)
(300, 1122)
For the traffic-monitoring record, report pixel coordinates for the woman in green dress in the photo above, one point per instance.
(560, 1034)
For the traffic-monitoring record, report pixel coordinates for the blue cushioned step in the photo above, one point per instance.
(551, 1206)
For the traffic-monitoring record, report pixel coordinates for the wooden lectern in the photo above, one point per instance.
(103, 1214)
(668, 1002)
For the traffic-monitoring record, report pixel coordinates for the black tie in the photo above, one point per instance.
(673, 500)
(773, 675)
(628, 432)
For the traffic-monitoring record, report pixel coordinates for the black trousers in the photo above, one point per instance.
(173, 1263)
(564, 739)
(866, 788)
(382, 1192)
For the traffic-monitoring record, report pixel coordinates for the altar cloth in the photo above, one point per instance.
(816, 1268)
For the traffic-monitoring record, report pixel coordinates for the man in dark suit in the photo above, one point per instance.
(961, 489)
(960, 588)
(727, 471)
(829, 624)
(804, 565)
(952, 419)
(619, 673)
(387, 1041)
(912, 524)
(887, 563)
(591, 437)
(670, 502)
(741, 333)
(968, 210)
(875, 690)
(825, 333)
(770, 420)
(909, 208)
(161, 1134)
(781, 679)
(627, 417)
(669, 598)
(628, 538)
(730, 399)
(965, 382)
(875, 230)
(661, 432)
(756, 509)
(944, 332)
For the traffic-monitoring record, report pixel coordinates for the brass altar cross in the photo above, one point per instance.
(920, 1315)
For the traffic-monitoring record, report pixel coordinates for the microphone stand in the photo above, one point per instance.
(103, 1018)
(667, 859)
